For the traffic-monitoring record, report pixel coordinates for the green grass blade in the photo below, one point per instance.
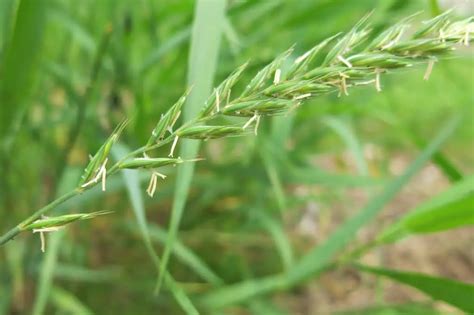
(346, 133)
(14, 254)
(77, 32)
(273, 175)
(132, 183)
(7, 18)
(205, 42)
(449, 216)
(5, 298)
(280, 238)
(76, 273)
(307, 175)
(440, 160)
(403, 309)
(47, 270)
(319, 258)
(448, 168)
(186, 256)
(453, 292)
(67, 303)
(450, 209)
(46, 273)
(156, 54)
(20, 61)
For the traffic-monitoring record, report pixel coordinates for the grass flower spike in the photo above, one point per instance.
(348, 61)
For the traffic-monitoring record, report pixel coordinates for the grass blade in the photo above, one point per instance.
(205, 42)
(186, 256)
(20, 60)
(67, 303)
(282, 243)
(48, 266)
(47, 271)
(452, 208)
(347, 135)
(132, 183)
(456, 293)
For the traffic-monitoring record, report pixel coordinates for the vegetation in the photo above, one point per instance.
(243, 201)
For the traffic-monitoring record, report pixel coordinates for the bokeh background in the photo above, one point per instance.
(72, 70)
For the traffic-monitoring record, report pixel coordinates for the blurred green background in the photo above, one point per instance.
(70, 71)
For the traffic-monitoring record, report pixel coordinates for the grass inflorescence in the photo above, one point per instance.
(335, 65)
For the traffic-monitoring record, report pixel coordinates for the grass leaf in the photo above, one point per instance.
(453, 292)
(19, 61)
(132, 183)
(187, 256)
(47, 272)
(205, 42)
(346, 133)
(67, 303)
(450, 209)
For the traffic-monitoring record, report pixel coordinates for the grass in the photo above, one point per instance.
(244, 200)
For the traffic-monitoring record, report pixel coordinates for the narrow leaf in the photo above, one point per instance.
(132, 183)
(458, 294)
(205, 42)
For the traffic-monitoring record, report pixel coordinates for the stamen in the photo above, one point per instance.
(43, 242)
(152, 185)
(250, 121)
(100, 173)
(345, 61)
(299, 97)
(153, 181)
(173, 146)
(217, 101)
(367, 82)
(429, 69)
(257, 124)
(104, 177)
(466, 38)
(276, 80)
(378, 86)
(302, 57)
(45, 230)
(163, 176)
(343, 87)
(103, 173)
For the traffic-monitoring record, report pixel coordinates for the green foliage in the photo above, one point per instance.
(448, 210)
(453, 292)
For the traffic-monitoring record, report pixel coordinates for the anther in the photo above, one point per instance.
(302, 57)
(257, 124)
(299, 97)
(250, 121)
(277, 77)
(345, 61)
(378, 86)
(173, 146)
(217, 101)
(429, 69)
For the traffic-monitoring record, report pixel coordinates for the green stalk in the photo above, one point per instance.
(37, 215)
